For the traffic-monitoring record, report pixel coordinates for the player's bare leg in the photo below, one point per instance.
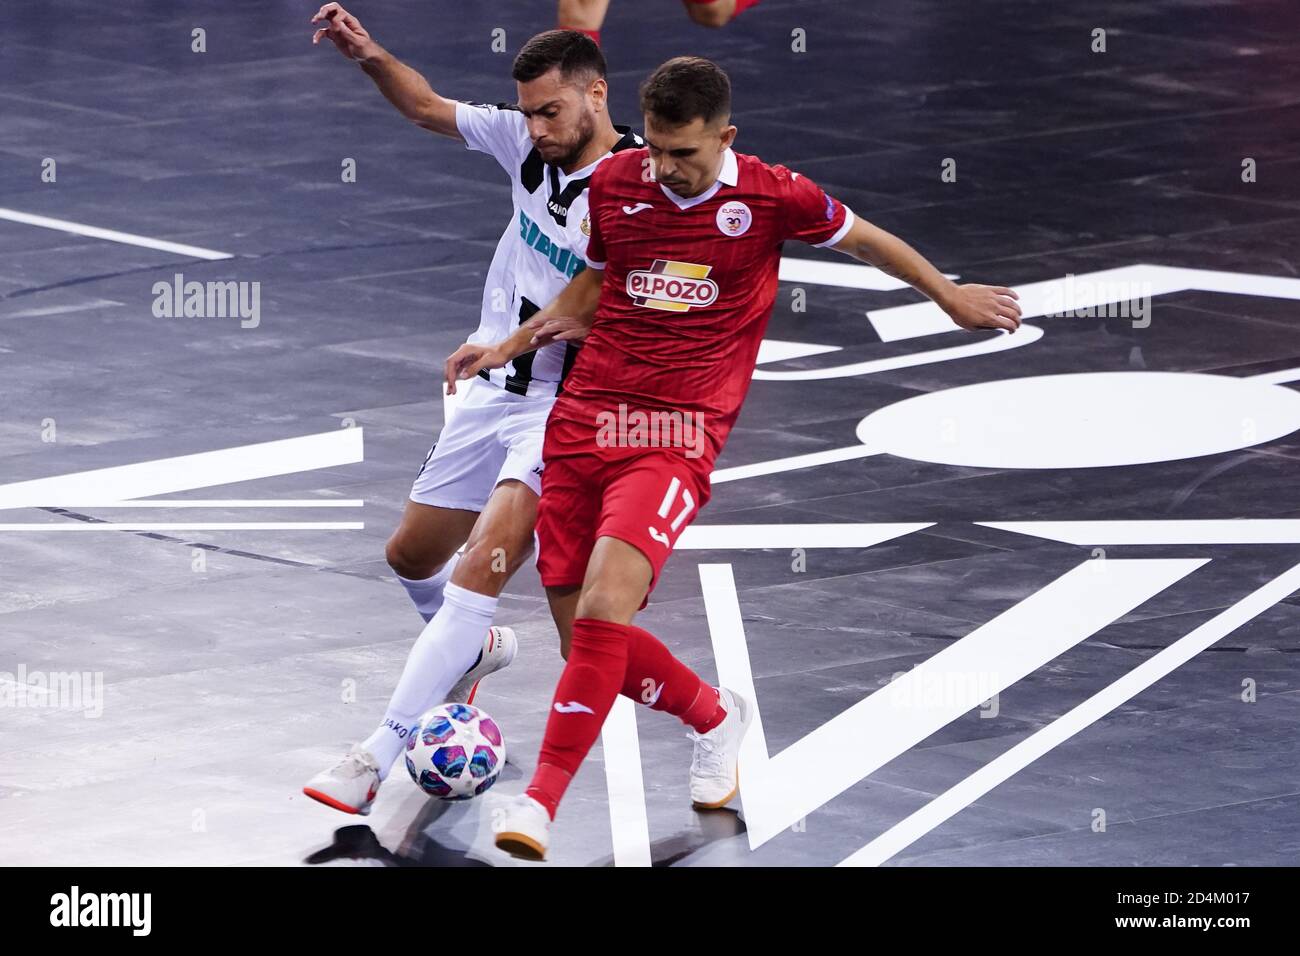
(500, 541)
(618, 576)
(715, 13)
(588, 16)
(564, 608)
(422, 551)
(585, 16)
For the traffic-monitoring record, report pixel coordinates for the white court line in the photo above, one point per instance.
(717, 537)
(789, 464)
(287, 456)
(1159, 531)
(778, 350)
(225, 503)
(199, 526)
(628, 824)
(64, 309)
(1001, 768)
(842, 275)
(112, 235)
(1025, 335)
(26, 687)
(1278, 378)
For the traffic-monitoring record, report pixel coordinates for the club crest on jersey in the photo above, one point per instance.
(586, 225)
(734, 218)
(672, 286)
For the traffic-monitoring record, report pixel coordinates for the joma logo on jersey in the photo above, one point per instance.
(672, 286)
(560, 257)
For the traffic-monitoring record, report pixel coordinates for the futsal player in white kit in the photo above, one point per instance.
(480, 483)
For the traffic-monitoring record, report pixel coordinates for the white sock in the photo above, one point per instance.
(427, 594)
(446, 648)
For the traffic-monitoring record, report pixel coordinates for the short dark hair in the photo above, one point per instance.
(687, 87)
(576, 55)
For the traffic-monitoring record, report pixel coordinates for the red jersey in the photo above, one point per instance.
(689, 285)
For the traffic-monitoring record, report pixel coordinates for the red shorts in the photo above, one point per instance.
(644, 496)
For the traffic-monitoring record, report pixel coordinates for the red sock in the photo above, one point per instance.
(655, 677)
(595, 34)
(583, 698)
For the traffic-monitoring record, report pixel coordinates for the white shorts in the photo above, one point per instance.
(493, 436)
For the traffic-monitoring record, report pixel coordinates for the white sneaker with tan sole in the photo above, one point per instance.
(523, 828)
(715, 775)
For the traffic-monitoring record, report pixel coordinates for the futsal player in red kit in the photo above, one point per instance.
(685, 244)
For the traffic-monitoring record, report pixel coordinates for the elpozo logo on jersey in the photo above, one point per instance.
(672, 286)
(734, 219)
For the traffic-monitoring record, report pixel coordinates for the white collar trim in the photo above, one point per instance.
(729, 175)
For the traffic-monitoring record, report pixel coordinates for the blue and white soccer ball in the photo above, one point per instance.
(455, 752)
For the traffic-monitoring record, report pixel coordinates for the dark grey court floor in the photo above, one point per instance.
(1142, 674)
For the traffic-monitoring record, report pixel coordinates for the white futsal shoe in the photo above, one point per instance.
(498, 651)
(523, 828)
(350, 785)
(715, 777)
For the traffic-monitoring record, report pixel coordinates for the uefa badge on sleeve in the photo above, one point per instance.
(734, 218)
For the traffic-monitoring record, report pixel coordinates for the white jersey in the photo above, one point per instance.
(542, 248)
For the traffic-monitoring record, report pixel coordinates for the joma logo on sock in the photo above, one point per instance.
(103, 909)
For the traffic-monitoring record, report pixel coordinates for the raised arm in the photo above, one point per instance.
(970, 306)
(566, 318)
(405, 88)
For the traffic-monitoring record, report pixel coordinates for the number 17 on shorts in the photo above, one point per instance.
(676, 494)
(649, 503)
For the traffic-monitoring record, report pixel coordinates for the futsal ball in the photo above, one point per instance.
(455, 752)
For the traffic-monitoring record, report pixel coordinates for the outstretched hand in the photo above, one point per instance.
(984, 307)
(345, 31)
